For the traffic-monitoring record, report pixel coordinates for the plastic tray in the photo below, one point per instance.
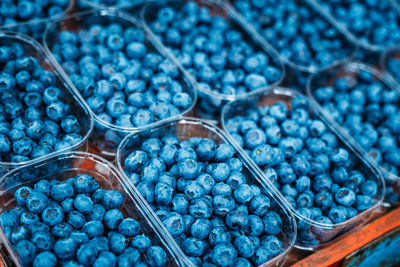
(320, 5)
(351, 49)
(35, 27)
(69, 164)
(192, 127)
(79, 109)
(323, 232)
(106, 136)
(211, 102)
(351, 68)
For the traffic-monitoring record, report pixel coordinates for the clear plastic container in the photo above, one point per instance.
(211, 102)
(351, 69)
(321, 233)
(70, 164)
(359, 39)
(106, 137)
(35, 27)
(191, 127)
(348, 48)
(78, 108)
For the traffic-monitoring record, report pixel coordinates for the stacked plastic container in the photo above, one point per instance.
(69, 164)
(313, 235)
(111, 140)
(107, 136)
(188, 128)
(298, 70)
(389, 86)
(211, 101)
(79, 109)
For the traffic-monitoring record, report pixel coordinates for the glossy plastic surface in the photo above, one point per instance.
(69, 164)
(191, 127)
(322, 233)
(106, 136)
(78, 108)
(211, 102)
(352, 68)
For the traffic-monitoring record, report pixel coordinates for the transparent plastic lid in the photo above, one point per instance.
(389, 91)
(261, 22)
(108, 135)
(188, 128)
(312, 234)
(69, 164)
(78, 108)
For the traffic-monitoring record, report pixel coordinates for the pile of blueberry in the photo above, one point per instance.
(200, 192)
(16, 11)
(34, 119)
(214, 50)
(369, 111)
(303, 159)
(373, 22)
(75, 223)
(296, 31)
(122, 81)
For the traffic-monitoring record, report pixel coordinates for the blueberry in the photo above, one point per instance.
(244, 246)
(65, 248)
(141, 243)
(224, 254)
(83, 204)
(76, 219)
(26, 251)
(112, 218)
(42, 240)
(105, 259)
(112, 199)
(156, 256)
(345, 196)
(45, 258)
(52, 215)
(60, 192)
(117, 243)
(338, 214)
(22, 194)
(93, 229)
(174, 223)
